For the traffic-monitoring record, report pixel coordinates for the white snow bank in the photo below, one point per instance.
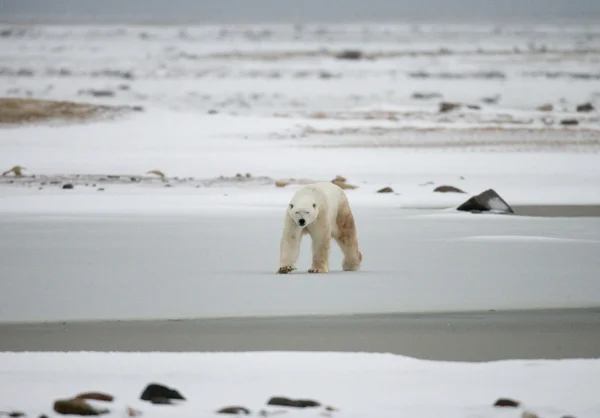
(357, 384)
(208, 146)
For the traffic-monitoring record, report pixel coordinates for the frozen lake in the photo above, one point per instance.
(144, 266)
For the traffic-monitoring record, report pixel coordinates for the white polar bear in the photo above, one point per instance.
(323, 211)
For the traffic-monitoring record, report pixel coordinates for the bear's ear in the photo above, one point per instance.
(314, 205)
(291, 206)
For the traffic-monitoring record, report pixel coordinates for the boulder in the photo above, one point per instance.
(488, 201)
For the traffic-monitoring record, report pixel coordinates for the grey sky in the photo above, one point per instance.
(230, 11)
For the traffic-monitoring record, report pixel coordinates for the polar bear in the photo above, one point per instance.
(321, 210)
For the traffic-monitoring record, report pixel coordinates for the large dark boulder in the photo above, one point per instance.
(488, 201)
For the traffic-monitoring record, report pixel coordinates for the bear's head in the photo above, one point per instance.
(303, 210)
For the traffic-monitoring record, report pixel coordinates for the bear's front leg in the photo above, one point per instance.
(289, 248)
(321, 243)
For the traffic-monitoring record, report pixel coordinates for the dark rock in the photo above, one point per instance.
(76, 407)
(160, 400)
(138, 108)
(548, 107)
(98, 396)
(585, 107)
(67, 186)
(569, 122)
(474, 107)
(350, 54)
(16, 414)
(447, 189)
(386, 190)
(505, 402)
(296, 403)
(98, 93)
(488, 201)
(43, 416)
(155, 390)
(426, 96)
(234, 410)
(101, 189)
(448, 106)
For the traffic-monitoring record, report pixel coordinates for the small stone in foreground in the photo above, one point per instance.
(67, 186)
(296, 403)
(386, 190)
(16, 414)
(157, 391)
(234, 410)
(98, 396)
(76, 407)
(505, 402)
(527, 414)
(447, 189)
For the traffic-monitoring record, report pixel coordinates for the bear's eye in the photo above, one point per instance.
(314, 205)
(291, 206)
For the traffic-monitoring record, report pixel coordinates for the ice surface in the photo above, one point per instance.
(356, 384)
(221, 263)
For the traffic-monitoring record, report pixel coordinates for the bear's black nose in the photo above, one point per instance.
(301, 222)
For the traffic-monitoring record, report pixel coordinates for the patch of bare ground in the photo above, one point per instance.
(366, 55)
(19, 111)
(522, 139)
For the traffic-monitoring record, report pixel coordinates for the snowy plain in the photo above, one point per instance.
(273, 101)
(355, 384)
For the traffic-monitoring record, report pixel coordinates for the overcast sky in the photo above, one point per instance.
(231, 11)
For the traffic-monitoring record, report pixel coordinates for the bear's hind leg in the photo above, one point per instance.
(347, 239)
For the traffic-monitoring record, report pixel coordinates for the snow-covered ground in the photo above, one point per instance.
(354, 384)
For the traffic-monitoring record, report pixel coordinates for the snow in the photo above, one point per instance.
(280, 112)
(112, 264)
(356, 384)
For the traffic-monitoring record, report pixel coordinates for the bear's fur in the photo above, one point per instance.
(321, 210)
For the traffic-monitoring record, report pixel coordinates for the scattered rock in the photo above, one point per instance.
(344, 185)
(447, 189)
(505, 402)
(15, 414)
(527, 414)
(248, 175)
(350, 54)
(158, 173)
(98, 396)
(386, 190)
(426, 95)
(296, 403)
(213, 112)
(586, 107)
(68, 186)
(234, 410)
(474, 107)
(97, 93)
(76, 407)
(548, 107)
(569, 122)
(17, 170)
(157, 391)
(168, 185)
(487, 201)
(138, 108)
(491, 100)
(448, 106)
